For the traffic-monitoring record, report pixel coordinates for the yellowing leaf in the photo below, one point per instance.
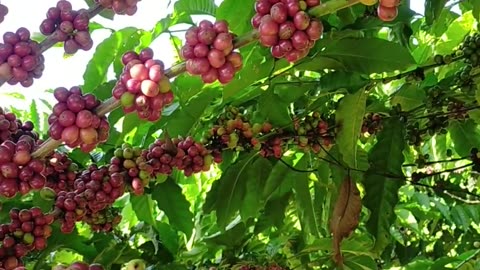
(345, 216)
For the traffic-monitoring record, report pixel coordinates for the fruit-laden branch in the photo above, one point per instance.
(331, 7)
(111, 104)
(47, 43)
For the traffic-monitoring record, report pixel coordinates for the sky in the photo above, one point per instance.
(69, 72)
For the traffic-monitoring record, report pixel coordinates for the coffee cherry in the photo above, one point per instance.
(301, 20)
(369, 2)
(387, 14)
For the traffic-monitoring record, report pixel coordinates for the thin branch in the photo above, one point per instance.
(415, 183)
(473, 256)
(437, 161)
(446, 113)
(449, 170)
(295, 169)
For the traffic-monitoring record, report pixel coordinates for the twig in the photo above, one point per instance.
(295, 169)
(437, 161)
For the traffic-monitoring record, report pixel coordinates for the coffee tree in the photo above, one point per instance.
(291, 134)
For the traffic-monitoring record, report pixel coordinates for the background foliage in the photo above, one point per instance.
(419, 210)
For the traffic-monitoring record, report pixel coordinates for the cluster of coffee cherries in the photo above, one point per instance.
(28, 230)
(286, 27)
(11, 128)
(3, 12)
(313, 132)
(457, 110)
(388, 10)
(209, 52)
(469, 49)
(273, 147)
(436, 98)
(103, 221)
(130, 167)
(184, 154)
(417, 132)
(32, 227)
(79, 266)
(61, 172)
(73, 119)
(72, 206)
(23, 56)
(94, 191)
(475, 157)
(258, 267)
(372, 123)
(98, 188)
(68, 26)
(414, 134)
(143, 86)
(233, 130)
(464, 80)
(120, 7)
(19, 171)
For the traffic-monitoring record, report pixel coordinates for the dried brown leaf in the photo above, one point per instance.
(346, 215)
(169, 146)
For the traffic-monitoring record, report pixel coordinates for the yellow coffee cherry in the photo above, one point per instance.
(369, 2)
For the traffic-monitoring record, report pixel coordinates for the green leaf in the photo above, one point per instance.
(358, 55)
(231, 9)
(274, 213)
(257, 175)
(320, 203)
(231, 237)
(15, 95)
(188, 116)
(168, 236)
(409, 96)
(340, 79)
(34, 117)
(407, 218)
(197, 7)
(386, 158)
(460, 217)
(273, 109)
(473, 5)
(419, 265)
(433, 8)
(173, 203)
(257, 65)
(105, 53)
(185, 87)
(144, 208)
(280, 181)
(304, 199)
(455, 33)
(232, 190)
(359, 263)
(349, 118)
(464, 136)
